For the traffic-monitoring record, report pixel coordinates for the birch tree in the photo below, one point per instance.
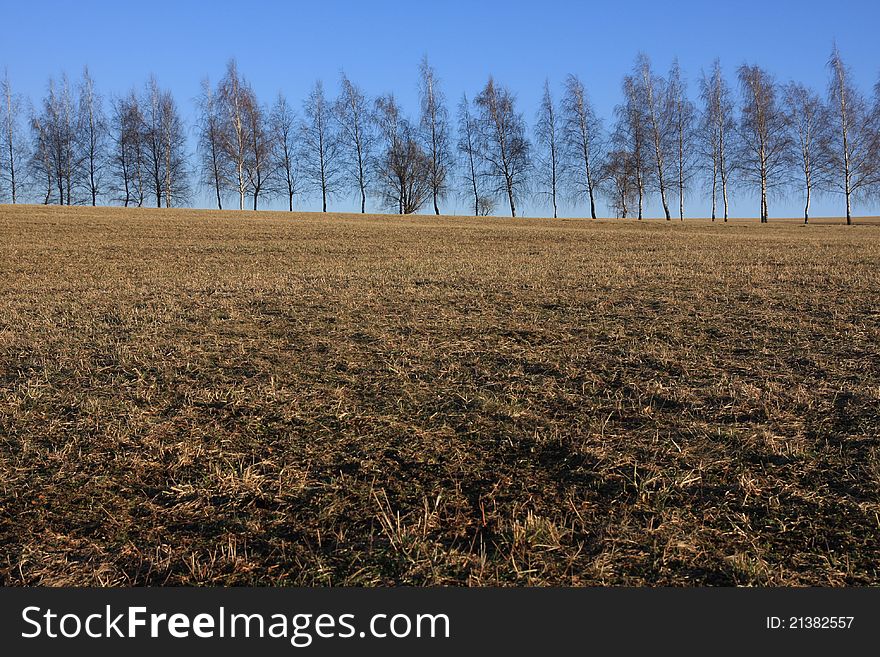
(283, 124)
(356, 136)
(320, 144)
(631, 136)
(258, 164)
(503, 143)
(620, 171)
(12, 144)
(549, 158)
(403, 168)
(127, 156)
(808, 120)
(235, 97)
(55, 131)
(853, 143)
(469, 154)
(92, 136)
(153, 143)
(165, 147)
(717, 129)
(175, 188)
(434, 123)
(657, 113)
(582, 137)
(764, 139)
(213, 165)
(40, 164)
(683, 116)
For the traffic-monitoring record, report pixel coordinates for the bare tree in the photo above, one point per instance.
(235, 97)
(683, 117)
(808, 121)
(40, 163)
(56, 139)
(320, 155)
(357, 136)
(127, 158)
(619, 170)
(549, 159)
(764, 142)
(12, 145)
(631, 136)
(435, 131)
(582, 138)
(657, 111)
(213, 164)
(283, 124)
(176, 170)
(717, 129)
(403, 168)
(469, 154)
(503, 143)
(485, 206)
(152, 108)
(853, 144)
(258, 162)
(165, 147)
(92, 136)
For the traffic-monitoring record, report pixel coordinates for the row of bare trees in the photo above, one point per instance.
(763, 138)
(347, 144)
(78, 155)
(778, 137)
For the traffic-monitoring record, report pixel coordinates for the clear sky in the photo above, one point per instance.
(287, 45)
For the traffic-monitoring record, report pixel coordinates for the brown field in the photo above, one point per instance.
(199, 398)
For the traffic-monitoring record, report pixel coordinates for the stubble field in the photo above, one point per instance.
(222, 398)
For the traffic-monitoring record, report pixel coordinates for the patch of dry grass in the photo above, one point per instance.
(201, 398)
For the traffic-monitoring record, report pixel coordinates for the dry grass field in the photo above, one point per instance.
(220, 398)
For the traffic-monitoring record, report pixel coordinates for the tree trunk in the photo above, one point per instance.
(11, 160)
(724, 194)
(663, 191)
(510, 198)
(641, 193)
(807, 207)
(680, 196)
(809, 185)
(721, 167)
(763, 197)
(846, 170)
(714, 189)
(476, 192)
(680, 167)
(241, 185)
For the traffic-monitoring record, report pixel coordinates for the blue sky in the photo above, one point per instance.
(285, 46)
